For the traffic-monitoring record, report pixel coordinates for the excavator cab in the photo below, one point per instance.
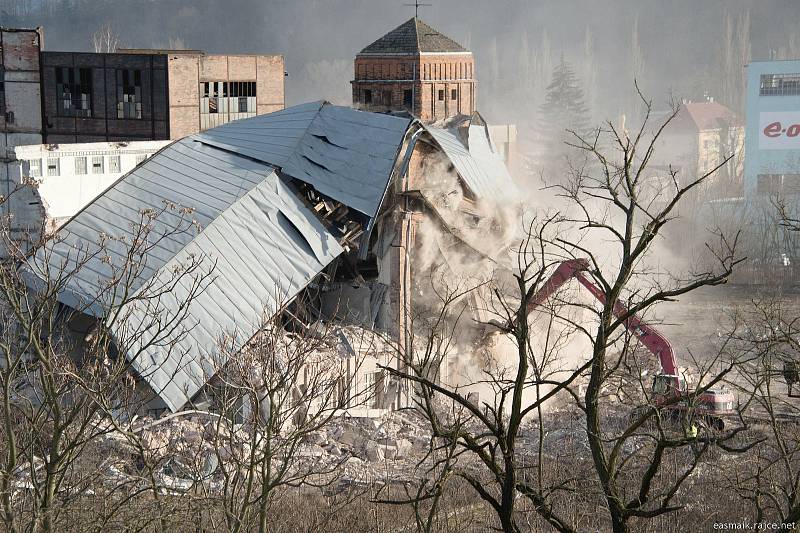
(668, 385)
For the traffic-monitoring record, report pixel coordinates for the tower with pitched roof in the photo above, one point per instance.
(417, 69)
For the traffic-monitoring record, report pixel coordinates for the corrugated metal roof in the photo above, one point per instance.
(343, 153)
(265, 243)
(481, 168)
(264, 250)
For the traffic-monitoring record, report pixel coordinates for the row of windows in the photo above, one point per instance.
(780, 85)
(74, 91)
(83, 165)
(775, 184)
(228, 97)
(408, 71)
(385, 97)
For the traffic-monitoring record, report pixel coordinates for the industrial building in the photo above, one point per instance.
(315, 203)
(153, 94)
(772, 147)
(20, 113)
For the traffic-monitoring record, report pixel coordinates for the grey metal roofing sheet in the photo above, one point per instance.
(187, 174)
(481, 168)
(265, 246)
(345, 154)
(264, 250)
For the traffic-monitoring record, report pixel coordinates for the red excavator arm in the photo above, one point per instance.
(651, 338)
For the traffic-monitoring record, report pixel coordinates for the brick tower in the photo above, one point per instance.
(417, 69)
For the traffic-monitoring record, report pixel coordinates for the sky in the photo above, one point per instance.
(516, 42)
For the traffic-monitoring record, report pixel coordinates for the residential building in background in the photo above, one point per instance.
(153, 94)
(772, 148)
(698, 140)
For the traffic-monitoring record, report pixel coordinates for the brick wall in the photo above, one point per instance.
(425, 75)
(22, 106)
(188, 71)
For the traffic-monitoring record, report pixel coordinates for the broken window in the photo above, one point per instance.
(129, 93)
(243, 94)
(97, 164)
(408, 97)
(454, 94)
(209, 97)
(221, 101)
(80, 166)
(373, 382)
(52, 166)
(35, 168)
(367, 96)
(780, 85)
(441, 95)
(74, 91)
(113, 164)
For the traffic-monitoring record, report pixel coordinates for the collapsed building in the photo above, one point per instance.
(313, 211)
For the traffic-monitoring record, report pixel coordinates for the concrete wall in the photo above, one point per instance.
(20, 123)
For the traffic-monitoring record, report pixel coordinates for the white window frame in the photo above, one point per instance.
(114, 161)
(95, 160)
(35, 166)
(53, 167)
(81, 170)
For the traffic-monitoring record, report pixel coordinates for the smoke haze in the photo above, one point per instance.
(675, 47)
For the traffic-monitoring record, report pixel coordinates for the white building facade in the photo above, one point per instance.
(54, 182)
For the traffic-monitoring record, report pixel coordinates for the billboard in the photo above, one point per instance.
(779, 130)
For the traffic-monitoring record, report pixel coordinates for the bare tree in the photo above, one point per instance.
(272, 398)
(105, 40)
(64, 376)
(639, 457)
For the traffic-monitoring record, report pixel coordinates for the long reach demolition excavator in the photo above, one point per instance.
(670, 390)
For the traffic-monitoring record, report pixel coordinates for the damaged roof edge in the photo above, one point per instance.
(410, 141)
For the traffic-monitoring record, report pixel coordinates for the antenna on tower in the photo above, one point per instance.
(416, 5)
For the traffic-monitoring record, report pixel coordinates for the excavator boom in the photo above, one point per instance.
(651, 338)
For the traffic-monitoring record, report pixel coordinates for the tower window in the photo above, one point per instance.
(441, 96)
(408, 97)
(367, 96)
(454, 94)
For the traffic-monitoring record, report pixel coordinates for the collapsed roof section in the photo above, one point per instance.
(259, 192)
(476, 160)
(344, 154)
